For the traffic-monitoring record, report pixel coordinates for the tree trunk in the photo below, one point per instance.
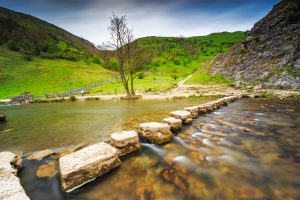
(131, 82)
(125, 84)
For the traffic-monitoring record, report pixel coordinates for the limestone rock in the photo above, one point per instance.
(193, 110)
(87, 164)
(171, 175)
(2, 117)
(184, 115)
(69, 150)
(157, 133)
(271, 46)
(125, 142)
(40, 154)
(174, 123)
(10, 186)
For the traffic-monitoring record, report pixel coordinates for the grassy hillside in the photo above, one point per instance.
(176, 58)
(41, 76)
(34, 37)
(41, 58)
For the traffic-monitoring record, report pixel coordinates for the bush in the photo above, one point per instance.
(27, 58)
(14, 46)
(177, 62)
(174, 76)
(72, 98)
(141, 75)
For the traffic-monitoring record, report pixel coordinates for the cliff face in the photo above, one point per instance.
(269, 55)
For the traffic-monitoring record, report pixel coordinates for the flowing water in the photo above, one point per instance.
(249, 149)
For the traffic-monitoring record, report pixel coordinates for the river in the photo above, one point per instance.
(207, 160)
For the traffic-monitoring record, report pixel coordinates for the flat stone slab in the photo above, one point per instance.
(155, 132)
(181, 114)
(40, 154)
(155, 127)
(87, 164)
(10, 186)
(193, 110)
(174, 123)
(122, 138)
(125, 142)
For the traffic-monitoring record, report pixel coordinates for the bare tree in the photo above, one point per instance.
(137, 61)
(131, 58)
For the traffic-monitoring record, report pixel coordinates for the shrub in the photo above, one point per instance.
(27, 58)
(177, 62)
(141, 75)
(14, 46)
(174, 76)
(72, 98)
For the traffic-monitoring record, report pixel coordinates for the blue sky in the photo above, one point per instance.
(90, 18)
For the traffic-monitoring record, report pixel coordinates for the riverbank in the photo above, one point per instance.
(181, 91)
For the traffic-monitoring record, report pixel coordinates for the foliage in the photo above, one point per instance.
(34, 37)
(72, 98)
(140, 75)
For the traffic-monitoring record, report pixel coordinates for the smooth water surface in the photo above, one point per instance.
(40, 126)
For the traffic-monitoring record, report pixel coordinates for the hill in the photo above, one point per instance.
(41, 76)
(174, 58)
(41, 58)
(269, 55)
(35, 37)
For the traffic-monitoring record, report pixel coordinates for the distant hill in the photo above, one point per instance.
(33, 36)
(183, 55)
(269, 55)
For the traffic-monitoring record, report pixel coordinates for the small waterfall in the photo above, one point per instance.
(155, 148)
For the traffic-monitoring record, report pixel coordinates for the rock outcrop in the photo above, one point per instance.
(87, 164)
(10, 186)
(269, 55)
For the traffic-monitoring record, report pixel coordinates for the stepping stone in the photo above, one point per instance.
(193, 110)
(40, 154)
(209, 107)
(87, 164)
(10, 186)
(125, 142)
(184, 115)
(202, 109)
(174, 123)
(157, 133)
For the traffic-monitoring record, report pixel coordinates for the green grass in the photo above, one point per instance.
(41, 76)
(204, 78)
(171, 56)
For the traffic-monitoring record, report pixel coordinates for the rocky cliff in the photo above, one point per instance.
(269, 55)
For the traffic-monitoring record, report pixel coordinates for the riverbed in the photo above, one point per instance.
(211, 159)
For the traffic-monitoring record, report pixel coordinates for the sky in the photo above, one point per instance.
(90, 18)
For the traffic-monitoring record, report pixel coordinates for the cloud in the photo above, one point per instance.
(90, 18)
